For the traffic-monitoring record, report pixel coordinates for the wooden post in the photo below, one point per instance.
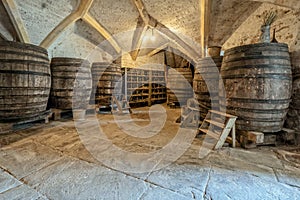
(233, 135)
(205, 8)
(125, 84)
(150, 88)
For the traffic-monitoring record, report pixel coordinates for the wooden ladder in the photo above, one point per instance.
(217, 126)
(190, 114)
(122, 107)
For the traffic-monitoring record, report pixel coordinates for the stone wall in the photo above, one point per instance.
(226, 17)
(144, 62)
(70, 44)
(40, 17)
(287, 27)
(182, 17)
(77, 47)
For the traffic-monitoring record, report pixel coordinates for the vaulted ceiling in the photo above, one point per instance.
(124, 25)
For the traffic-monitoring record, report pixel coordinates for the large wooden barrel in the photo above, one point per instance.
(24, 81)
(108, 77)
(293, 116)
(258, 85)
(71, 83)
(97, 70)
(206, 84)
(177, 89)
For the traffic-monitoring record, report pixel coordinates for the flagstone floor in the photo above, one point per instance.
(69, 160)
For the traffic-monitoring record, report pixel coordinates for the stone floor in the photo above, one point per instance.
(69, 160)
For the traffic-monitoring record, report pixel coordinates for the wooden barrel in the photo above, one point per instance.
(179, 85)
(293, 116)
(97, 70)
(71, 83)
(206, 84)
(108, 78)
(24, 81)
(258, 84)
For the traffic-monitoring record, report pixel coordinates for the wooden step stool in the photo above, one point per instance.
(190, 114)
(217, 126)
(122, 107)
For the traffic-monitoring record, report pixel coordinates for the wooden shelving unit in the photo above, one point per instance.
(145, 87)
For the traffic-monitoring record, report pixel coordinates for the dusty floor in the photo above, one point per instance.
(61, 161)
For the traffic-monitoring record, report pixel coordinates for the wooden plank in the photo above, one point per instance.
(102, 30)
(258, 137)
(288, 135)
(82, 9)
(253, 136)
(16, 20)
(269, 139)
(6, 128)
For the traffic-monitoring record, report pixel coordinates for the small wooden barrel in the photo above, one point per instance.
(258, 85)
(178, 85)
(293, 116)
(206, 84)
(108, 77)
(71, 83)
(24, 81)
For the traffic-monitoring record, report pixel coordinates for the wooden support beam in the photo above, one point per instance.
(155, 51)
(102, 30)
(82, 9)
(205, 8)
(138, 37)
(153, 23)
(142, 10)
(16, 20)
